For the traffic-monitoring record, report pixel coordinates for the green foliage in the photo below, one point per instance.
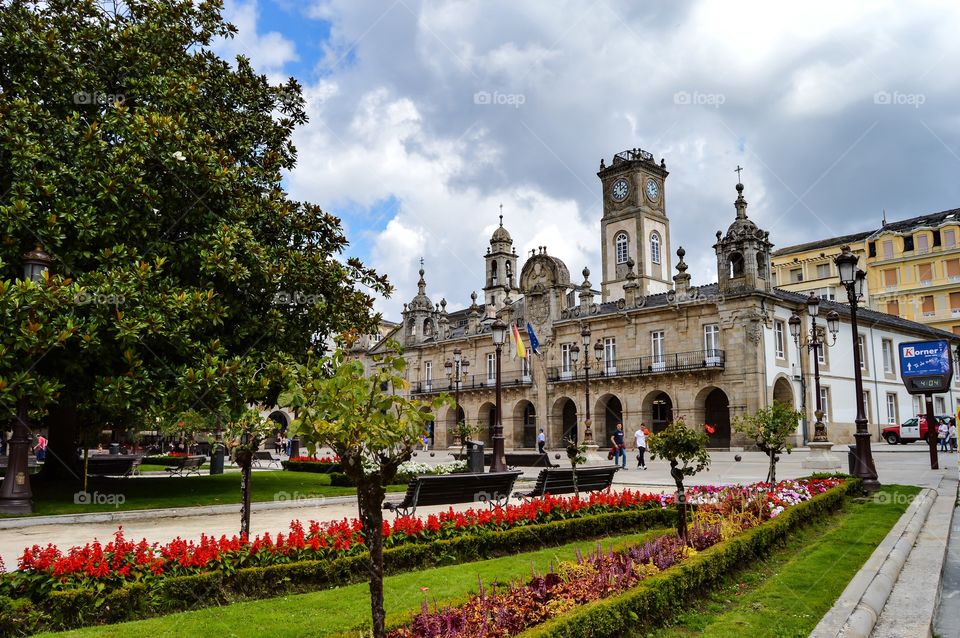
(770, 427)
(662, 596)
(684, 447)
(151, 172)
(81, 607)
(577, 455)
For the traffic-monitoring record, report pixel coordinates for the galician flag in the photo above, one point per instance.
(535, 343)
(519, 350)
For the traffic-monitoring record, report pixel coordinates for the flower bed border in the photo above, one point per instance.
(75, 608)
(310, 466)
(658, 596)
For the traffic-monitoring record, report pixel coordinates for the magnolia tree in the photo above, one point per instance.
(686, 450)
(577, 455)
(770, 427)
(370, 426)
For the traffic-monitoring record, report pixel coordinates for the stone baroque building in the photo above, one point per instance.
(665, 348)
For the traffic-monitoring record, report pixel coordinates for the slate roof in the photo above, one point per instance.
(822, 243)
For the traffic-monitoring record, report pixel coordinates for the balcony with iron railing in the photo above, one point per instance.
(508, 379)
(649, 365)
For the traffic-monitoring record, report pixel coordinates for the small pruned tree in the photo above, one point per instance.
(577, 455)
(370, 426)
(686, 450)
(771, 428)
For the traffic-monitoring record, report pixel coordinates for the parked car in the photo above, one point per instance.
(911, 430)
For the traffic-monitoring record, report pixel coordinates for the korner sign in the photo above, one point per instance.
(926, 367)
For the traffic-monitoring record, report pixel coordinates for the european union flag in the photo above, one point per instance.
(534, 342)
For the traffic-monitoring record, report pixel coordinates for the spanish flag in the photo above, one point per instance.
(518, 350)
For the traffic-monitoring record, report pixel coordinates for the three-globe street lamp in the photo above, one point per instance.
(456, 370)
(574, 357)
(16, 497)
(814, 344)
(853, 279)
(499, 463)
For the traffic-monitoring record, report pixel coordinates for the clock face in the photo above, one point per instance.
(653, 191)
(620, 190)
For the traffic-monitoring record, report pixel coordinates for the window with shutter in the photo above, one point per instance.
(928, 307)
(953, 268)
(949, 238)
(890, 277)
(893, 308)
(926, 273)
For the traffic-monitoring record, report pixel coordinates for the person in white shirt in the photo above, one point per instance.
(542, 442)
(641, 443)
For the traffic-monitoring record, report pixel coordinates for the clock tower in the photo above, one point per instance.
(634, 227)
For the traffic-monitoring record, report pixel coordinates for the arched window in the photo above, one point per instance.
(493, 273)
(736, 265)
(655, 247)
(622, 246)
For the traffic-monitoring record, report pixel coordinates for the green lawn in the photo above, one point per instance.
(787, 593)
(327, 612)
(158, 492)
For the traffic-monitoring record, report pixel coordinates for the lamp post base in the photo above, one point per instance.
(820, 457)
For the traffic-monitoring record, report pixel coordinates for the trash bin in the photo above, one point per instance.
(294, 447)
(114, 448)
(216, 459)
(475, 457)
(852, 458)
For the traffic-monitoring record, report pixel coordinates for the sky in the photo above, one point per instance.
(425, 117)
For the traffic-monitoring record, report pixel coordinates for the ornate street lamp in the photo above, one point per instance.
(16, 497)
(813, 344)
(456, 370)
(499, 463)
(575, 357)
(853, 280)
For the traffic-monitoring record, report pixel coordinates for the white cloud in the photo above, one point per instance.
(787, 91)
(268, 52)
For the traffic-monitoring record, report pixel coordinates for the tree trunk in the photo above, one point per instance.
(63, 427)
(772, 472)
(370, 494)
(681, 500)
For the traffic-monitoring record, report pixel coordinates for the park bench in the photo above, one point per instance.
(113, 465)
(265, 456)
(492, 488)
(187, 465)
(560, 481)
(528, 459)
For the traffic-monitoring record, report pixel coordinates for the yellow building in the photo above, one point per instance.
(913, 268)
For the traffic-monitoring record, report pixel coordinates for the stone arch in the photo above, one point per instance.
(783, 391)
(524, 424)
(655, 247)
(608, 413)
(761, 265)
(714, 405)
(564, 421)
(621, 247)
(486, 419)
(454, 415)
(736, 266)
(657, 411)
(427, 327)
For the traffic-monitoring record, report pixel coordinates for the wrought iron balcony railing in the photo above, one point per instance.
(654, 364)
(508, 379)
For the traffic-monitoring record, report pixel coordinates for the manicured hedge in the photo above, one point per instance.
(307, 466)
(659, 597)
(80, 607)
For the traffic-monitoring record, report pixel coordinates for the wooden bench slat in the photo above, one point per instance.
(560, 481)
(455, 488)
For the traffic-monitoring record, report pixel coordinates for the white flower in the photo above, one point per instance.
(180, 156)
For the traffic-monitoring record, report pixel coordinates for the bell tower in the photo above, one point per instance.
(634, 226)
(502, 277)
(743, 254)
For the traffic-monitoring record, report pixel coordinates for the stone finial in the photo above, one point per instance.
(741, 203)
(443, 304)
(663, 163)
(586, 294)
(586, 276)
(630, 288)
(682, 279)
(719, 235)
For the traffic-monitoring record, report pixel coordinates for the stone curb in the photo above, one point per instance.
(177, 512)
(856, 612)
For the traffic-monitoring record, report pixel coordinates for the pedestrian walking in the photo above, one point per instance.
(542, 442)
(618, 448)
(942, 433)
(641, 443)
(40, 449)
(952, 436)
(278, 443)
